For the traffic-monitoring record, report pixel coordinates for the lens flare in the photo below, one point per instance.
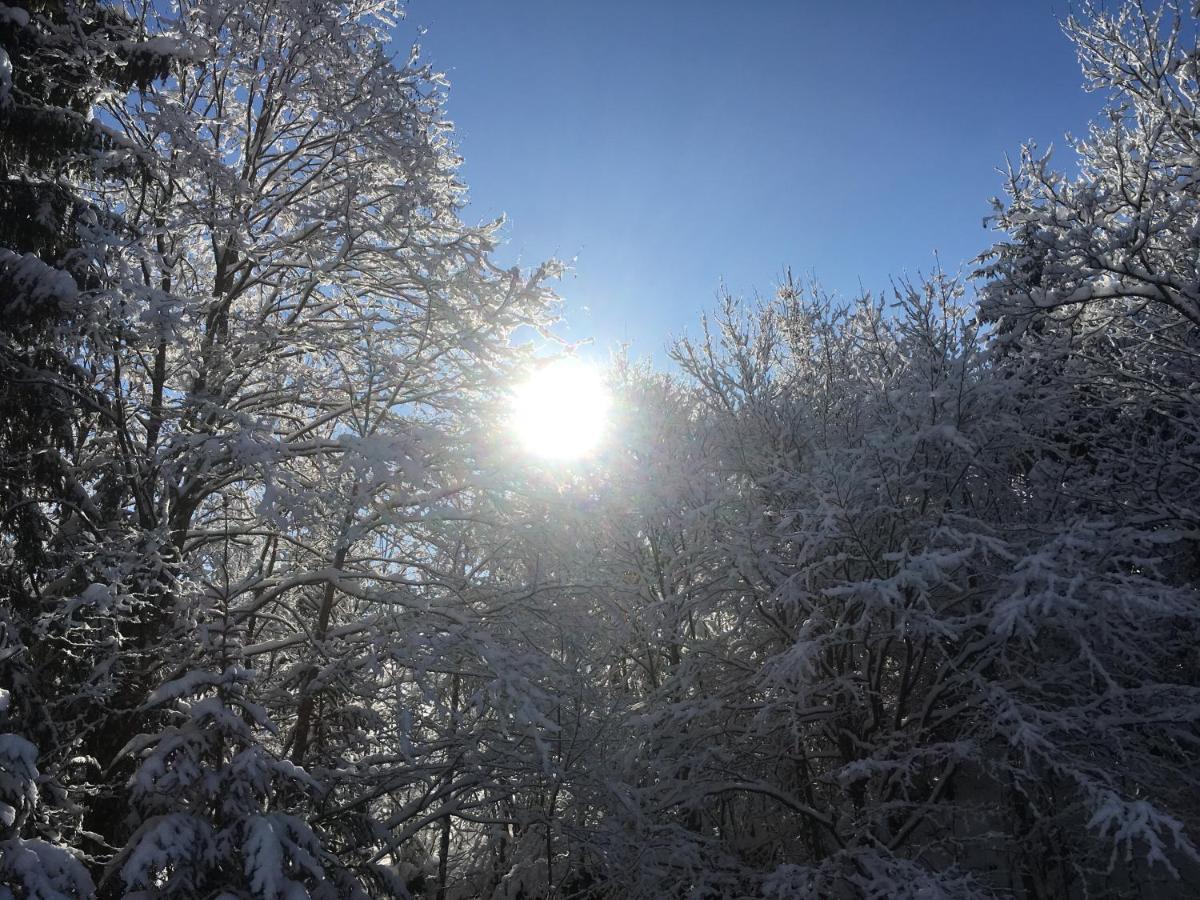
(561, 412)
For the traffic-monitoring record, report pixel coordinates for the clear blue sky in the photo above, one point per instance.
(664, 147)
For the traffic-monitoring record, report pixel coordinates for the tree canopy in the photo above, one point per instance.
(888, 596)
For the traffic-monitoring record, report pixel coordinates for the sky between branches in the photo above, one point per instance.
(666, 147)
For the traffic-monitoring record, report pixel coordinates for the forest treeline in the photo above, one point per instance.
(888, 597)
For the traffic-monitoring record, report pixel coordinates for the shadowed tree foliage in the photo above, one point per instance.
(59, 512)
(56, 61)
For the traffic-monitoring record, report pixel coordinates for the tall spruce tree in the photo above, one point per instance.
(59, 504)
(56, 61)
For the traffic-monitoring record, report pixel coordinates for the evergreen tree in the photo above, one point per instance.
(61, 530)
(56, 61)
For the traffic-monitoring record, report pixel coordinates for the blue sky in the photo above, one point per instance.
(665, 148)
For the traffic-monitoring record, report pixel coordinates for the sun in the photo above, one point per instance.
(561, 412)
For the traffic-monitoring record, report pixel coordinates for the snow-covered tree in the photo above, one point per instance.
(925, 648)
(56, 61)
(307, 358)
(292, 346)
(60, 524)
(1122, 234)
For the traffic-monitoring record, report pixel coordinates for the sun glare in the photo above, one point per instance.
(561, 412)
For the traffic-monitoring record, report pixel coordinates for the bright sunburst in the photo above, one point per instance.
(561, 412)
